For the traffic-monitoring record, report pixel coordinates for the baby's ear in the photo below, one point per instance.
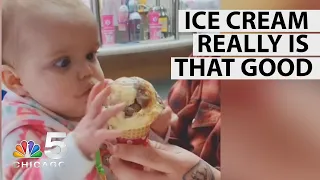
(12, 81)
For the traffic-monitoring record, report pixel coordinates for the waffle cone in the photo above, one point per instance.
(136, 133)
(137, 136)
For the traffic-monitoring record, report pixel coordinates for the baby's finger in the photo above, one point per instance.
(101, 120)
(108, 81)
(97, 104)
(98, 87)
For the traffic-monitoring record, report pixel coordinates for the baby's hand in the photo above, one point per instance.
(161, 124)
(91, 131)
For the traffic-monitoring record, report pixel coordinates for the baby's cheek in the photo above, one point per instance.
(62, 102)
(71, 107)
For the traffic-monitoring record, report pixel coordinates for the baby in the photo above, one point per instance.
(49, 61)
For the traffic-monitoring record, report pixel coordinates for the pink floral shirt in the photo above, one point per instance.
(24, 120)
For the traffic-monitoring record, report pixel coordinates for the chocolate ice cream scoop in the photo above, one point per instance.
(142, 100)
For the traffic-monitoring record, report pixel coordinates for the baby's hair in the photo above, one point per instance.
(18, 14)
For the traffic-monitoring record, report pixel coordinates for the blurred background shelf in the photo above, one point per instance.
(127, 26)
(146, 46)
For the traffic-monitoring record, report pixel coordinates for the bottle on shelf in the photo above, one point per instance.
(107, 24)
(163, 19)
(135, 24)
(132, 5)
(143, 11)
(142, 5)
(123, 17)
(154, 25)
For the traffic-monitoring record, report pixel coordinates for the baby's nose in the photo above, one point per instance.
(85, 71)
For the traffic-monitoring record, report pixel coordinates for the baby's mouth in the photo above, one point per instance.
(94, 81)
(85, 93)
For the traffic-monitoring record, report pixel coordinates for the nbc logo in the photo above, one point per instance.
(27, 149)
(54, 150)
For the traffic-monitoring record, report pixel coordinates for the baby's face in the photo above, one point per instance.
(59, 63)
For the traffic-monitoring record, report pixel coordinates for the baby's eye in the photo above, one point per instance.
(64, 62)
(91, 56)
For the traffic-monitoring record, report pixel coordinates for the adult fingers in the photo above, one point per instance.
(168, 114)
(98, 87)
(164, 118)
(174, 116)
(163, 121)
(106, 135)
(107, 113)
(165, 147)
(165, 102)
(96, 106)
(123, 171)
(157, 159)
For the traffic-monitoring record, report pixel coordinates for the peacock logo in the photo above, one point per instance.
(27, 149)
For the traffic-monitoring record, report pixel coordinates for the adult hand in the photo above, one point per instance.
(161, 125)
(163, 162)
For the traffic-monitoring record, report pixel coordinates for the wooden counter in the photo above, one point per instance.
(151, 65)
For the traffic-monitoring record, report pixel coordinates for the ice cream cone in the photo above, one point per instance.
(135, 127)
(134, 92)
(136, 133)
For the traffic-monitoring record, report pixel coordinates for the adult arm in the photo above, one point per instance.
(162, 162)
(202, 171)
